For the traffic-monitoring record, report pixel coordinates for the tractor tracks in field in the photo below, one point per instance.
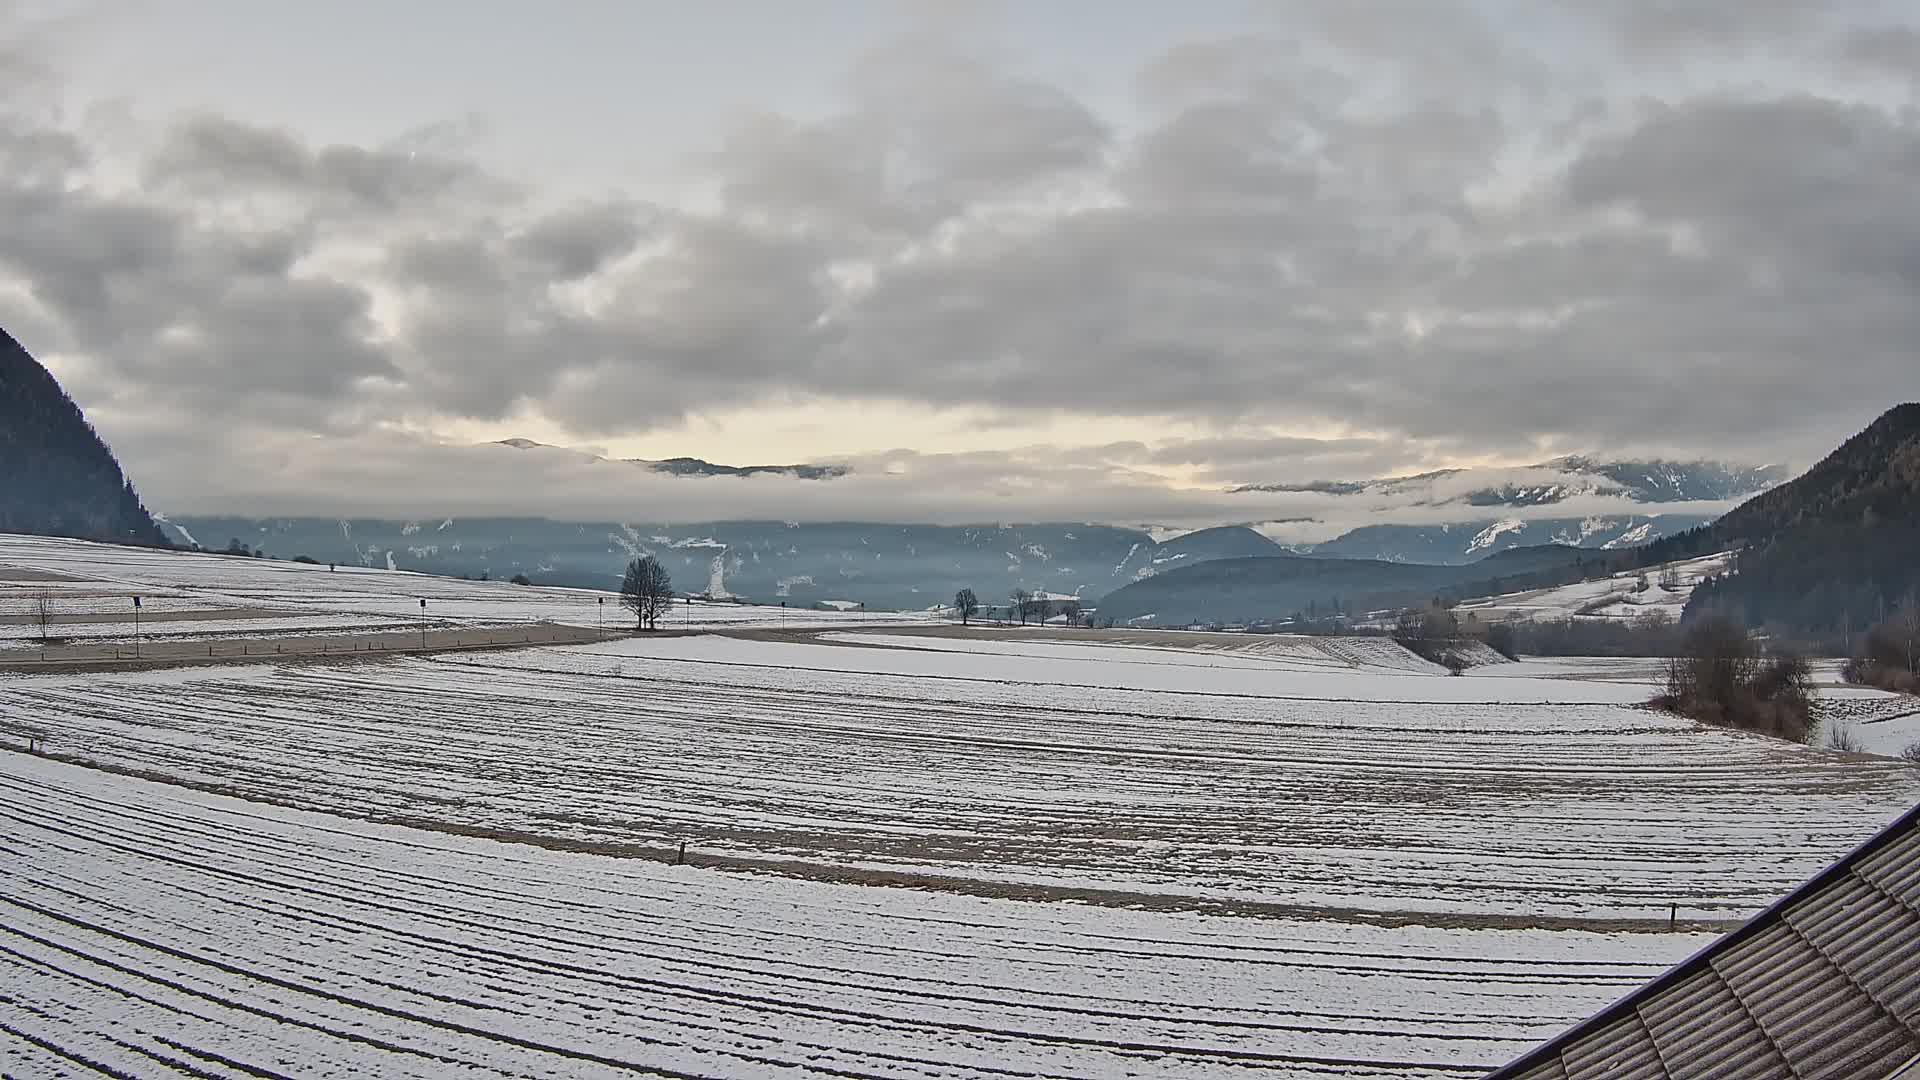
(829, 873)
(304, 907)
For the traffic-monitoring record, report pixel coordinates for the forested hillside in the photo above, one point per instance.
(1834, 550)
(56, 477)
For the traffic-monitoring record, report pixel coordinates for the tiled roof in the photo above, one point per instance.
(1825, 983)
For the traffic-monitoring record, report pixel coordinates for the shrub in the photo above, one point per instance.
(521, 579)
(1719, 678)
(1911, 753)
(1844, 738)
(1867, 672)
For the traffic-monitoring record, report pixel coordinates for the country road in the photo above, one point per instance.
(164, 652)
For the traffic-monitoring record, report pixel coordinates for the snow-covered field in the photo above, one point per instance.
(1877, 721)
(157, 931)
(1258, 651)
(916, 851)
(27, 635)
(1618, 597)
(106, 576)
(1198, 782)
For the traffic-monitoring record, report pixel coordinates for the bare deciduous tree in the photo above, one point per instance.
(647, 590)
(43, 612)
(966, 604)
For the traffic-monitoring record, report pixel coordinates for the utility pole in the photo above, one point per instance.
(136, 626)
(423, 622)
(602, 605)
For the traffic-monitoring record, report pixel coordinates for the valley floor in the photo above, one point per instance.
(158, 931)
(940, 853)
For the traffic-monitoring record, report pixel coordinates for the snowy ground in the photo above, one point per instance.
(1618, 597)
(147, 928)
(918, 852)
(1876, 721)
(104, 577)
(1259, 652)
(1195, 783)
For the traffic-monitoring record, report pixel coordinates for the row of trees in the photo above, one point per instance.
(1021, 604)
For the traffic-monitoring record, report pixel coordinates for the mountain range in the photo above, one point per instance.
(1558, 480)
(1462, 542)
(801, 563)
(1831, 548)
(692, 466)
(1822, 556)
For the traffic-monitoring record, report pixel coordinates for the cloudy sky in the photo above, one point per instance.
(1086, 258)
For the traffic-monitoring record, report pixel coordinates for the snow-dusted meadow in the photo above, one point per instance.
(158, 931)
(1193, 777)
(1617, 597)
(85, 578)
(916, 851)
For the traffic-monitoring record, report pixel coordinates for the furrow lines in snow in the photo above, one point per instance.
(519, 951)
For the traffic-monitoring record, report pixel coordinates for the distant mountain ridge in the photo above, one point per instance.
(1557, 480)
(802, 563)
(1460, 542)
(57, 478)
(692, 466)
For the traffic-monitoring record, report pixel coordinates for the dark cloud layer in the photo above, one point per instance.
(1442, 233)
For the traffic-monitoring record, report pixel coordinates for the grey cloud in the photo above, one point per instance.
(1397, 220)
(930, 132)
(174, 310)
(212, 153)
(398, 475)
(1664, 27)
(37, 158)
(1894, 50)
(1294, 452)
(579, 241)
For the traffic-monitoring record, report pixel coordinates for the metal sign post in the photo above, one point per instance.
(423, 622)
(136, 627)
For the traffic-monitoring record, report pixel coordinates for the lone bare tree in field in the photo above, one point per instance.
(43, 612)
(1022, 602)
(647, 590)
(966, 604)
